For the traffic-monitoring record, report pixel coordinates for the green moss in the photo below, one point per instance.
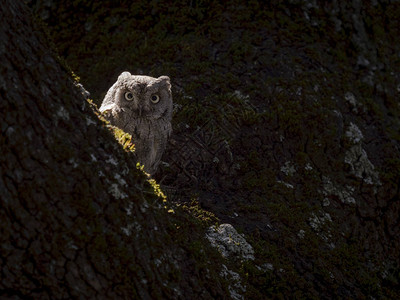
(124, 138)
(205, 217)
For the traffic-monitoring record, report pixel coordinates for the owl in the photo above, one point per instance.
(142, 106)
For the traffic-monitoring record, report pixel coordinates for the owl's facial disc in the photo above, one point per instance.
(155, 98)
(128, 96)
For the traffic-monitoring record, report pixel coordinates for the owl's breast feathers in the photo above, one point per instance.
(151, 140)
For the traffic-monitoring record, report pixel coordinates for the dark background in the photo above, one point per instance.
(286, 125)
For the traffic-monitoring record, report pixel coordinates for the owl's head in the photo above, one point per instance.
(141, 96)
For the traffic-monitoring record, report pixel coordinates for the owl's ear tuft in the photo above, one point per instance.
(124, 75)
(165, 81)
(164, 78)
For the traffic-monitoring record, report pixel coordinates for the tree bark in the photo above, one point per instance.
(78, 220)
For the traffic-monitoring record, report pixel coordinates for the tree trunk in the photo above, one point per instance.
(78, 220)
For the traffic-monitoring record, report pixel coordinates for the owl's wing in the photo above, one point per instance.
(109, 98)
(158, 143)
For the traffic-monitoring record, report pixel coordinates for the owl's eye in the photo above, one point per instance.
(128, 96)
(155, 99)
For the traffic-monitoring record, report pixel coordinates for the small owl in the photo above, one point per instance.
(142, 106)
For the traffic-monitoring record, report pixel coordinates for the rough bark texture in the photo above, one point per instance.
(286, 126)
(77, 218)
